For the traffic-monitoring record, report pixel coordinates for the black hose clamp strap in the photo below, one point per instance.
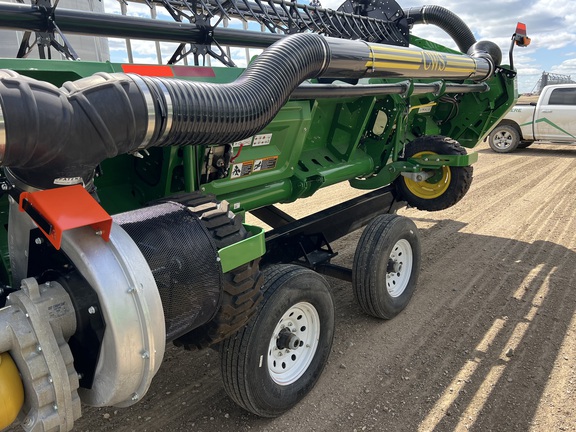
(168, 105)
(147, 95)
(372, 56)
(2, 135)
(327, 57)
(423, 11)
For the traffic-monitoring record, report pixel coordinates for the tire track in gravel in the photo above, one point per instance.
(565, 230)
(173, 394)
(538, 216)
(523, 250)
(539, 278)
(540, 323)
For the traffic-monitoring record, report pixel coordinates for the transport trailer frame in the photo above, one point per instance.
(306, 241)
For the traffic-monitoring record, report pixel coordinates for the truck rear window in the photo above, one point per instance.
(563, 96)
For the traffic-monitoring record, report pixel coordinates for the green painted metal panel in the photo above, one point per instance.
(235, 255)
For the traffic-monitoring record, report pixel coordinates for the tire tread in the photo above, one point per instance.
(241, 286)
(460, 181)
(372, 247)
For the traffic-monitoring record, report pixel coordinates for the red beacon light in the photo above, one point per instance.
(520, 37)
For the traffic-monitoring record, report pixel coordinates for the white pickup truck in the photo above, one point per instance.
(551, 119)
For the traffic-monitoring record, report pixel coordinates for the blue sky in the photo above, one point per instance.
(550, 25)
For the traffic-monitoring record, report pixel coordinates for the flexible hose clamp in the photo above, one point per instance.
(424, 20)
(147, 95)
(169, 114)
(2, 135)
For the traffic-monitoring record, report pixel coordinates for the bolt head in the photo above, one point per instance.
(91, 310)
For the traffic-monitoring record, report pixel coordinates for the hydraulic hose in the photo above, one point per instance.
(57, 136)
(446, 20)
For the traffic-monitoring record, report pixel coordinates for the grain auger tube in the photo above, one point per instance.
(125, 188)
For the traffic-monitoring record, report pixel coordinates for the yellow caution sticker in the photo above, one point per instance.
(241, 169)
(265, 164)
(246, 168)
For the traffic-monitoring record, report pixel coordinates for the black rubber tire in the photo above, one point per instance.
(459, 181)
(504, 138)
(378, 245)
(244, 356)
(241, 286)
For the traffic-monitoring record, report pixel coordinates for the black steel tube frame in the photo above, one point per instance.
(329, 91)
(32, 18)
(282, 243)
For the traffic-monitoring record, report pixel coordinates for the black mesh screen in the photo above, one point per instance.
(182, 257)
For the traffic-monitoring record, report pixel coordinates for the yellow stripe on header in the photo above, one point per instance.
(399, 50)
(431, 63)
(391, 65)
(397, 57)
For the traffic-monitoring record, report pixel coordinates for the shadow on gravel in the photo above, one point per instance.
(539, 150)
(504, 323)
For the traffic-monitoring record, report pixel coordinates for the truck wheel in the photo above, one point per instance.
(447, 185)
(504, 139)
(273, 362)
(386, 266)
(241, 286)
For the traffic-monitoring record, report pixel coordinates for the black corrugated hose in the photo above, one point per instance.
(224, 113)
(111, 114)
(446, 20)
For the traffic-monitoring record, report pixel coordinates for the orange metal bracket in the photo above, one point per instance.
(65, 208)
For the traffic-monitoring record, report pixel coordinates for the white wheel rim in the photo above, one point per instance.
(286, 365)
(399, 268)
(503, 140)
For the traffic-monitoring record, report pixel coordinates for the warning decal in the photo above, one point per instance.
(265, 164)
(241, 169)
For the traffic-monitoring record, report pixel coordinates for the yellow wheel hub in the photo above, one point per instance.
(11, 391)
(425, 189)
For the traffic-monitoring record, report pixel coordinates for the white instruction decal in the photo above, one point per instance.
(260, 140)
(244, 142)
